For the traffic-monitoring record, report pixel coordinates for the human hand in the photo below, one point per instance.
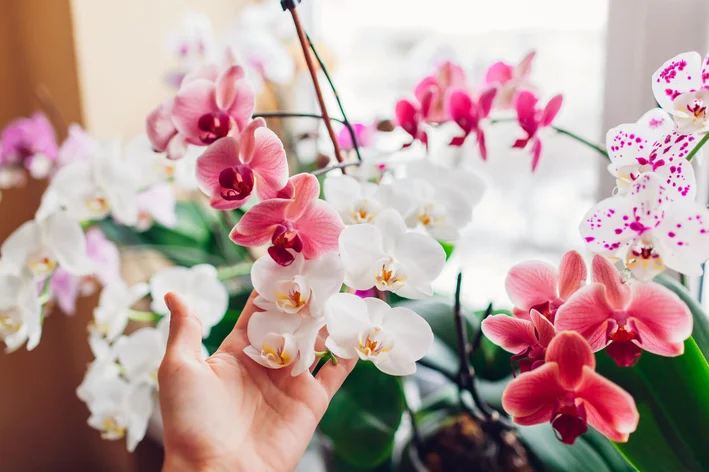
(228, 413)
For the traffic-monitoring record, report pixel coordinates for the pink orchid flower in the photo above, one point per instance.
(509, 80)
(539, 286)
(296, 221)
(533, 119)
(411, 116)
(526, 339)
(435, 89)
(211, 103)
(469, 114)
(106, 259)
(568, 392)
(233, 168)
(626, 318)
(29, 143)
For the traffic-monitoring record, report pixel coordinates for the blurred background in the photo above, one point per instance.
(106, 64)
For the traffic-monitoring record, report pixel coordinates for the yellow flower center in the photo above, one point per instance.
(112, 429)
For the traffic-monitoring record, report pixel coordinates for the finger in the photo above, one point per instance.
(185, 337)
(332, 376)
(237, 339)
(319, 346)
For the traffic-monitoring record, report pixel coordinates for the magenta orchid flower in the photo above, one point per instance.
(210, 104)
(625, 319)
(469, 115)
(539, 286)
(509, 80)
(29, 143)
(526, 339)
(435, 88)
(533, 119)
(295, 222)
(568, 392)
(233, 168)
(411, 116)
(363, 134)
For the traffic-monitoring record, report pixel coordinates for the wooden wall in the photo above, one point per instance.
(102, 64)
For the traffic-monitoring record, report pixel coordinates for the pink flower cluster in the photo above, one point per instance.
(559, 321)
(447, 96)
(213, 108)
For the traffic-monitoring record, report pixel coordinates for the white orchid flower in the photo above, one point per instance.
(657, 121)
(198, 287)
(120, 409)
(141, 352)
(302, 287)
(113, 311)
(386, 255)
(102, 369)
(649, 230)
(443, 198)
(20, 309)
(355, 201)
(392, 338)
(41, 245)
(278, 340)
(156, 204)
(94, 188)
(680, 88)
(635, 149)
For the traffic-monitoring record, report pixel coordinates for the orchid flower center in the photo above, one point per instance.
(214, 125)
(292, 295)
(278, 350)
(644, 259)
(432, 214)
(622, 349)
(41, 263)
(237, 181)
(364, 211)
(374, 344)
(569, 422)
(388, 275)
(285, 238)
(10, 321)
(97, 202)
(699, 111)
(113, 428)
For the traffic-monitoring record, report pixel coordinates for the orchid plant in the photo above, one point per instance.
(357, 266)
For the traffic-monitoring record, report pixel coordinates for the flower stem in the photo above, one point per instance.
(581, 140)
(237, 270)
(346, 122)
(285, 114)
(316, 84)
(327, 169)
(696, 149)
(144, 316)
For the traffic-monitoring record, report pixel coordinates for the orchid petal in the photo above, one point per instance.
(256, 226)
(194, 99)
(531, 283)
(545, 330)
(680, 74)
(572, 353)
(604, 272)
(551, 110)
(511, 334)
(588, 313)
(532, 398)
(222, 154)
(319, 227)
(269, 163)
(572, 274)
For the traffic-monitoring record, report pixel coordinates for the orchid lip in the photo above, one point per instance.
(569, 422)
(238, 182)
(215, 125)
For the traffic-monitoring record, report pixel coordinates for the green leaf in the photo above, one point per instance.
(448, 248)
(671, 394)
(587, 454)
(364, 415)
(700, 333)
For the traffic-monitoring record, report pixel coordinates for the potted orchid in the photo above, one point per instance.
(597, 365)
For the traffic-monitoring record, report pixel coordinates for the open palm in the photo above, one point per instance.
(228, 412)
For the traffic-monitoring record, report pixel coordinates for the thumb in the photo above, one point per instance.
(185, 338)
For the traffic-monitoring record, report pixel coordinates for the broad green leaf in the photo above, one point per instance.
(364, 415)
(672, 396)
(448, 248)
(700, 333)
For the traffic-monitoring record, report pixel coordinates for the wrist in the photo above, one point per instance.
(178, 463)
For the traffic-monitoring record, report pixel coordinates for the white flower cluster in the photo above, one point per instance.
(389, 245)
(120, 384)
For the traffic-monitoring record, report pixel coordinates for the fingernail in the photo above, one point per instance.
(168, 300)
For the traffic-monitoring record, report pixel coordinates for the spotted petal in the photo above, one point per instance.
(683, 237)
(680, 74)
